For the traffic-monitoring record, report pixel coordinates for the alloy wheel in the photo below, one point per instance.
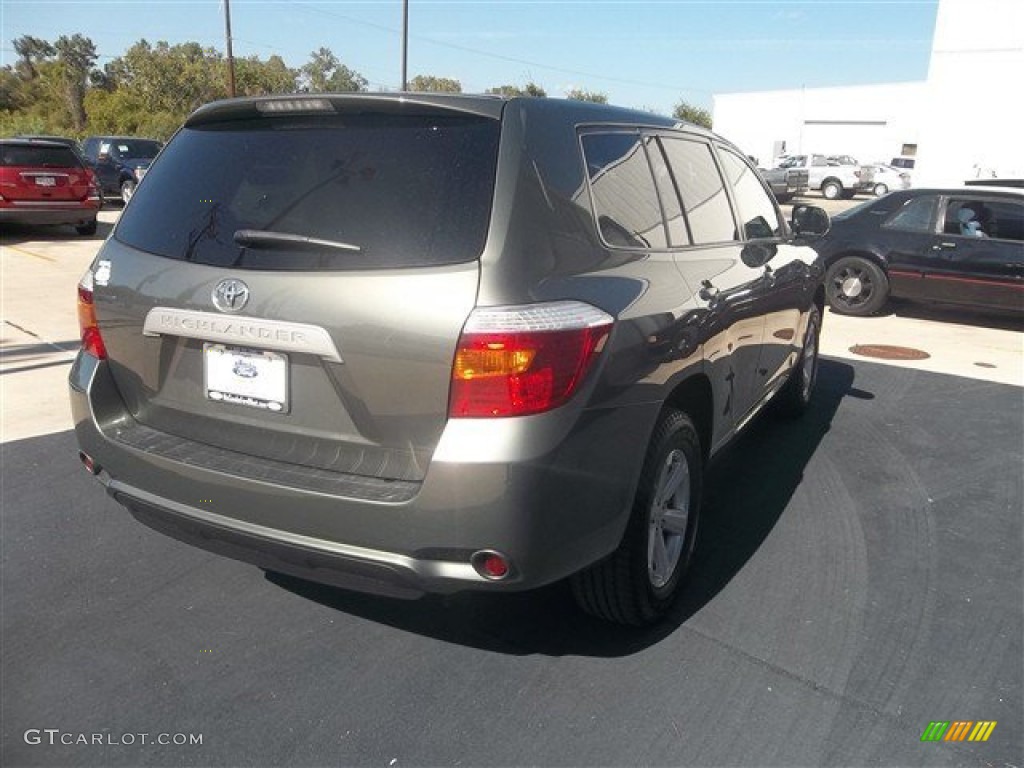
(668, 520)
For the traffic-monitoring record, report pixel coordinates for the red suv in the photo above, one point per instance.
(46, 183)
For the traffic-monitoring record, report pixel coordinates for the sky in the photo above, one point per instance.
(648, 54)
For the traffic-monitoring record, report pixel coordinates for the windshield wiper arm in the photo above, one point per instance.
(261, 238)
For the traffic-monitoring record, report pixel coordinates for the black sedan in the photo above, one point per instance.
(960, 245)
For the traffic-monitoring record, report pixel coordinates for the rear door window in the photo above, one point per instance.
(1005, 221)
(987, 218)
(381, 191)
(622, 185)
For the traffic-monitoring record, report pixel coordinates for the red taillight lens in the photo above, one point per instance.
(92, 340)
(514, 361)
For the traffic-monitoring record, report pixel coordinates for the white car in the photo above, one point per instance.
(879, 179)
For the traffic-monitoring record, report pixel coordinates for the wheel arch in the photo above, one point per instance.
(695, 398)
(859, 253)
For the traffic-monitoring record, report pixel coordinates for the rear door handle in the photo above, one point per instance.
(944, 246)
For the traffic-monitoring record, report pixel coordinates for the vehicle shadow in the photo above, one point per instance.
(738, 516)
(16, 234)
(961, 315)
(15, 357)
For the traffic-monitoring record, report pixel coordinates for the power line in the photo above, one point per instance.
(502, 57)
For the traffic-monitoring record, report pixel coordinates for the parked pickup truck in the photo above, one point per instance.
(786, 183)
(833, 178)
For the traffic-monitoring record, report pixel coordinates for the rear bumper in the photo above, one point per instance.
(49, 215)
(551, 503)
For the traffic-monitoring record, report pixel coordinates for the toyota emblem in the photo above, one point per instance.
(230, 295)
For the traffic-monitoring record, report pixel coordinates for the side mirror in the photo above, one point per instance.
(809, 221)
(756, 254)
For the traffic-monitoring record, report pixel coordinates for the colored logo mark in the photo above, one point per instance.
(958, 730)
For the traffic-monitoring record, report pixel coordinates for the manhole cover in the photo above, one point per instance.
(887, 352)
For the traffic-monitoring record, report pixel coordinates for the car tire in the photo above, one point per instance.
(880, 189)
(127, 190)
(831, 190)
(856, 286)
(639, 581)
(87, 229)
(795, 396)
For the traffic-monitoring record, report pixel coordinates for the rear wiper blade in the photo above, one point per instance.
(261, 238)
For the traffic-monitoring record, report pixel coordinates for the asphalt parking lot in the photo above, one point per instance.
(861, 580)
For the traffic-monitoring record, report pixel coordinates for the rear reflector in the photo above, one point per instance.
(92, 340)
(491, 565)
(514, 361)
(90, 465)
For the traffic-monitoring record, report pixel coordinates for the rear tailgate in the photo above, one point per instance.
(224, 329)
(42, 172)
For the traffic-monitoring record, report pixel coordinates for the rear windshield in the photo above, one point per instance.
(38, 156)
(386, 190)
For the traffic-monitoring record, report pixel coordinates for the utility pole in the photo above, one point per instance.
(231, 58)
(405, 45)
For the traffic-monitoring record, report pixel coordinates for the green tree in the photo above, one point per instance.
(11, 90)
(33, 95)
(429, 83)
(76, 56)
(254, 77)
(579, 94)
(324, 73)
(31, 51)
(170, 78)
(530, 89)
(691, 113)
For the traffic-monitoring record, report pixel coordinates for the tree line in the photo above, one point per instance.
(57, 88)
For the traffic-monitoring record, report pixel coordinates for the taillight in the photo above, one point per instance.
(513, 361)
(94, 183)
(92, 341)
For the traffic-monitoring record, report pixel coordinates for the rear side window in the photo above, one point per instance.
(38, 156)
(625, 198)
(700, 186)
(382, 190)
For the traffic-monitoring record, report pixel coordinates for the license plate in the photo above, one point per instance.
(46, 181)
(249, 377)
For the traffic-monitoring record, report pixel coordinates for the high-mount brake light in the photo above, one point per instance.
(294, 105)
(514, 361)
(92, 340)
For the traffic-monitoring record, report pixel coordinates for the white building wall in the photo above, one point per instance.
(965, 119)
(870, 122)
(971, 124)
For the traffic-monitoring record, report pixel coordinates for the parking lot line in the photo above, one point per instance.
(29, 253)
